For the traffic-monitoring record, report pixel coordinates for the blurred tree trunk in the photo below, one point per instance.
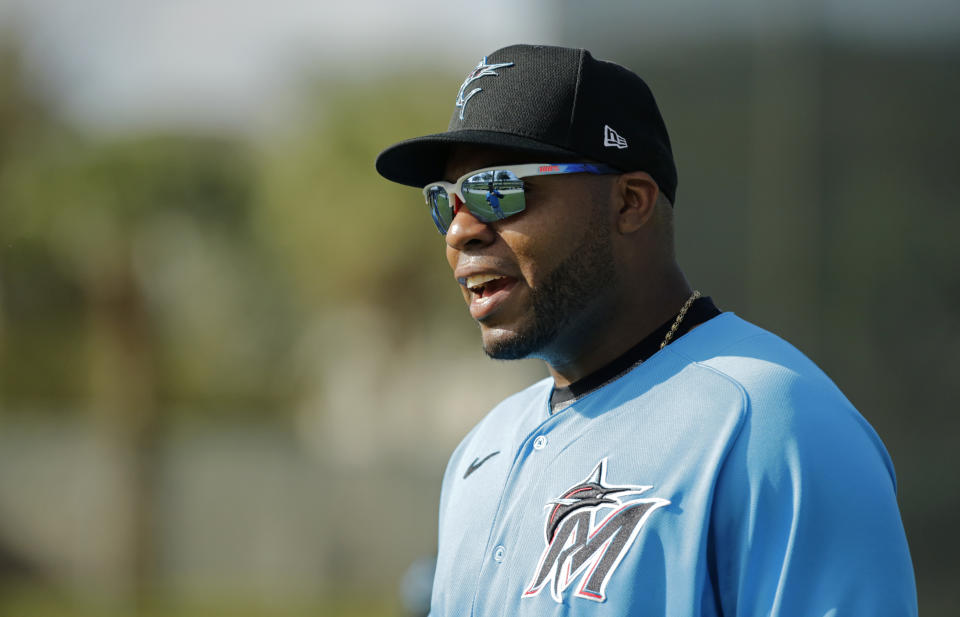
(123, 395)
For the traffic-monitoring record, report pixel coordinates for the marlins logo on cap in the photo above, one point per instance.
(481, 70)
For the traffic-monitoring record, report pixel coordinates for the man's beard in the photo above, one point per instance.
(565, 295)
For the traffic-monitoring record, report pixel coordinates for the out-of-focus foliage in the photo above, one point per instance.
(207, 254)
(147, 280)
(341, 231)
(101, 235)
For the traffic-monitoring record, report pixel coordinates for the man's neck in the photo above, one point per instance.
(614, 333)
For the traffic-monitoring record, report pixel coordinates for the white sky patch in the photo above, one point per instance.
(124, 62)
(116, 64)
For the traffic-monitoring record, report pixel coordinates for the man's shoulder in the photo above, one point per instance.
(756, 359)
(788, 397)
(782, 388)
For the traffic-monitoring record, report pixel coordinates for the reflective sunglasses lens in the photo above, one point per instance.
(494, 195)
(440, 209)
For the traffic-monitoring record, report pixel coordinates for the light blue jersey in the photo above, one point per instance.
(726, 475)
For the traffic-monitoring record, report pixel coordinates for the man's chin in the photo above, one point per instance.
(501, 350)
(504, 344)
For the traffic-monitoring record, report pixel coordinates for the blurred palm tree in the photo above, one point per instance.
(78, 279)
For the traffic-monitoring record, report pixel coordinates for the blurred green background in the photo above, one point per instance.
(233, 361)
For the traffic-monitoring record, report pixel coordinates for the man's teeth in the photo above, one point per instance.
(477, 281)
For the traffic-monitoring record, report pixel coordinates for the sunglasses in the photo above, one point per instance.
(494, 193)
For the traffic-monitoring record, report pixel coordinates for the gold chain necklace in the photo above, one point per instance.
(676, 322)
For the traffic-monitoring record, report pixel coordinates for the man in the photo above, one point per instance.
(678, 460)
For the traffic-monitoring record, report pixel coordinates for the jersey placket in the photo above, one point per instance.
(533, 456)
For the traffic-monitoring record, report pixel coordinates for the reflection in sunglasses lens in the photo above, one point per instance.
(489, 196)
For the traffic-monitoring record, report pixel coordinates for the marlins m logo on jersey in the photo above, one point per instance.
(580, 545)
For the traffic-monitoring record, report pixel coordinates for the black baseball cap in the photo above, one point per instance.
(550, 102)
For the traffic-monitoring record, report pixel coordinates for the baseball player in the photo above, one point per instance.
(493, 198)
(679, 460)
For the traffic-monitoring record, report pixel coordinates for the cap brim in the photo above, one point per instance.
(422, 160)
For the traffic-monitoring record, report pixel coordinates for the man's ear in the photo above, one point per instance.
(638, 192)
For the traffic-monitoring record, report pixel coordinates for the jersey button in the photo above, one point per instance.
(540, 443)
(499, 553)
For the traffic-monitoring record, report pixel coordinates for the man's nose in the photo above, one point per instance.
(466, 230)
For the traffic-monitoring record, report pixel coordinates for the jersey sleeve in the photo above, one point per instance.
(805, 519)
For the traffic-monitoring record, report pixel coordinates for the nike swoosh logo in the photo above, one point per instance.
(475, 465)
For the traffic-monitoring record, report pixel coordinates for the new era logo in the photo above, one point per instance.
(612, 139)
